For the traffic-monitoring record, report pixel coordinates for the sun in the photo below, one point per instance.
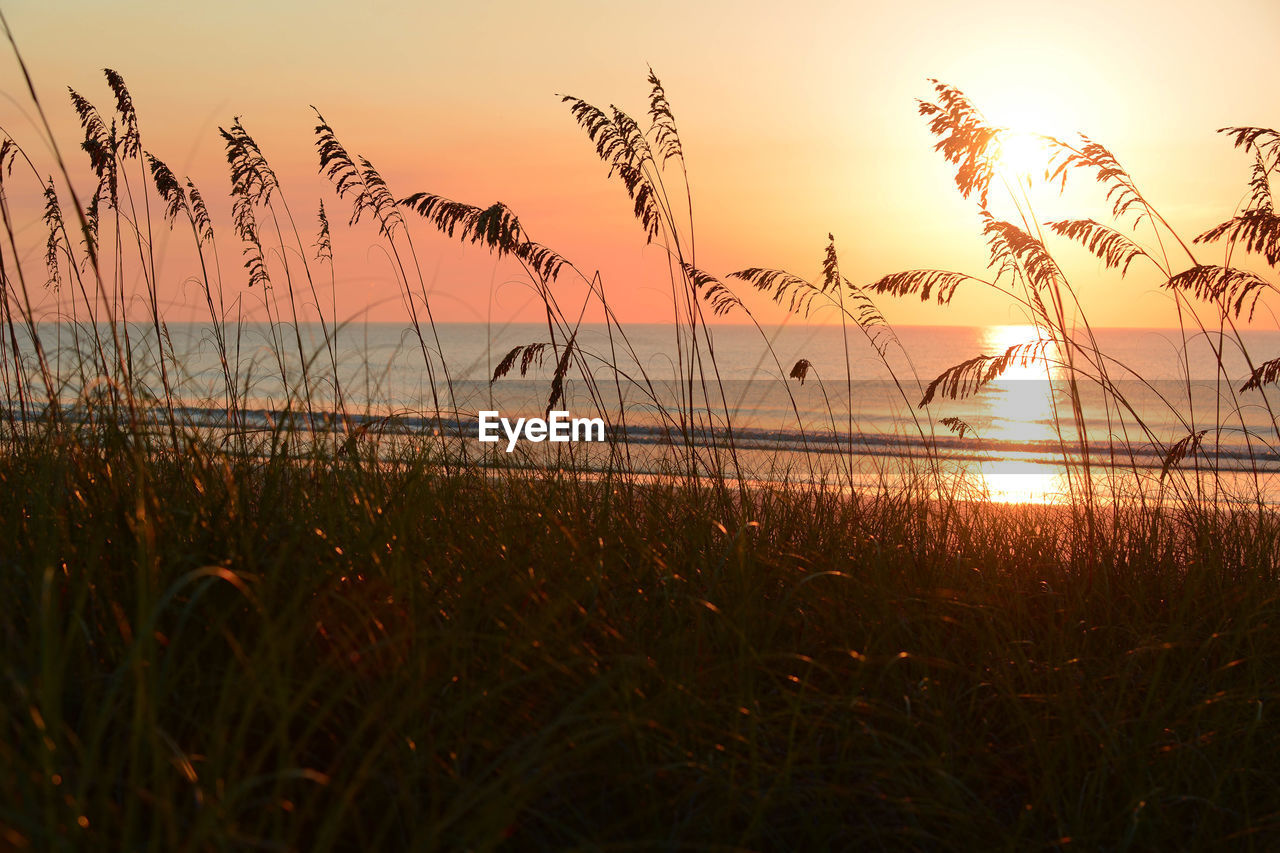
(1026, 119)
(1021, 154)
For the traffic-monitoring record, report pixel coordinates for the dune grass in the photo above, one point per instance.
(216, 654)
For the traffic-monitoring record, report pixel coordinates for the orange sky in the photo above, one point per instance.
(796, 123)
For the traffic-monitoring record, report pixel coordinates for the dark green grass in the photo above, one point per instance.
(205, 653)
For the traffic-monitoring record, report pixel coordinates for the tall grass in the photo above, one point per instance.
(300, 633)
(321, 655)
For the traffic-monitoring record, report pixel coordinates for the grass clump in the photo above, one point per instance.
(337, 654)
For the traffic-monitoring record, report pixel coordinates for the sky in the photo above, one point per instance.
(797, 121)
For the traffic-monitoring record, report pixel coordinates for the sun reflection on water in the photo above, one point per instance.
(1019, 408)
(1022, 481)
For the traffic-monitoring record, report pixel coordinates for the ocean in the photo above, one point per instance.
(856, 418)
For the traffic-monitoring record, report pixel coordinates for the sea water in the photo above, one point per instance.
(856, 418)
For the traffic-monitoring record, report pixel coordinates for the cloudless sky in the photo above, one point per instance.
(798, 120)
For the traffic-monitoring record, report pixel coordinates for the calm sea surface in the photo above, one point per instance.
(854, 405)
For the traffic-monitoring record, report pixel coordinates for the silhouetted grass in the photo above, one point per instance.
(214, 653)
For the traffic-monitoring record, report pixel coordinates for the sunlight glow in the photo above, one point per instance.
(1018, 402)
(1020, 409)
(1027, 118)
(997, 339)
(1022, 481)
(1022, 155)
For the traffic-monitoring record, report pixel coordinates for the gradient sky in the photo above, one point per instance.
(797, 121)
